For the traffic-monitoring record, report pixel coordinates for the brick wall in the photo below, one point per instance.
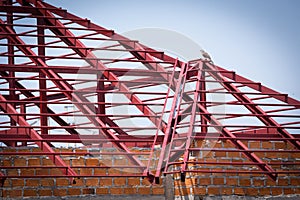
(199, 184)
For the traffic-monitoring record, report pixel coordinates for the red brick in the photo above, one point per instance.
(32, 182)
(74, 191)
(218, 181)
(234, 154)
(226, 191)
(204, 181)
(17, 182)
(283, 182)
(280, 145)
(77, 162)
(258, 182)
(133, 181)
(102, 191)
(88, 191)
(227, 144)
(199, 191)
(34, 162)
(287, 191)
(264, 191)
(92, 162)
(62, 182)
(6, 163)
(119, 181)
(220, 153)
(267, 145)
(116, 191)
(12, 172)
(213, 190)
(254, 145)
(12, 193)
(78, 182)
(106, 162)
(209, 154)
(45, 192)
(113, 170)
(231, 181)
(122, 162)
(276, 191)
(99, 171)
(92, 181)
(105, 181)
(67, 161)
(270, 182)
(245, 182)
(295, 181)
(30, 193)
(85, 171)
(6, 183)
(131, 190)
(251, 191)
(55, 172)
(42, 171)
(239, 191)
(144, 191)
(158, 191)
(19, 162)
(47, 162)
(60, 192)
(27, 172)
(46, 182)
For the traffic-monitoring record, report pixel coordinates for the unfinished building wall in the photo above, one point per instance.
(96, 180)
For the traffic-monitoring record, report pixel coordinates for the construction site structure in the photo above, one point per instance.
(84, 104)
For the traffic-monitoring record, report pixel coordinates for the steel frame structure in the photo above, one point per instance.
(52, 60)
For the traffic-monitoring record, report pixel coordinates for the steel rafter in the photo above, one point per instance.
(267, 120)
(35, 82)
(66, 87)
(8, 108)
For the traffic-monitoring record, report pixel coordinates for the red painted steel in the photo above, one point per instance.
(59, 87)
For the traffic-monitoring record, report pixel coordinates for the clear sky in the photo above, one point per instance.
(259, 39)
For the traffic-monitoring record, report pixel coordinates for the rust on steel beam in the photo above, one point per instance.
(9, 109)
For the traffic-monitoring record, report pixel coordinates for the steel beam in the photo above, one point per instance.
(263, 117)
(9, 109)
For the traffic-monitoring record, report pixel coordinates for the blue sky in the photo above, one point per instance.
(259, 39)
